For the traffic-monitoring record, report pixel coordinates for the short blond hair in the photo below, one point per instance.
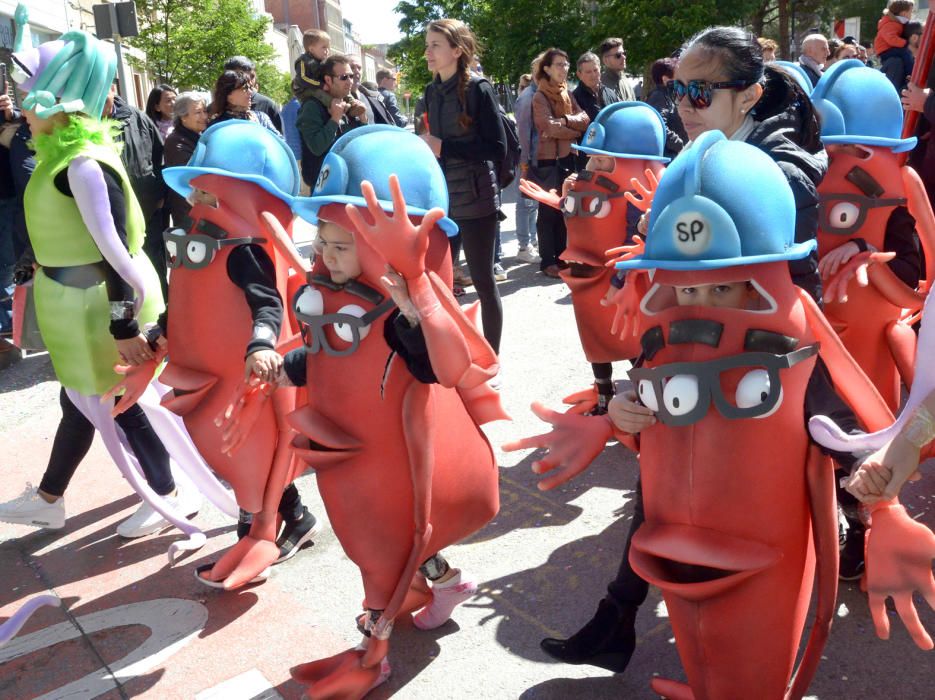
(315, 36)
(768, 44)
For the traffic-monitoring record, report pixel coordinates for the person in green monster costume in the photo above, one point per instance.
(94, 292)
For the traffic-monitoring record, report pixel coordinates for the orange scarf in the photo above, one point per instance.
(557, 95)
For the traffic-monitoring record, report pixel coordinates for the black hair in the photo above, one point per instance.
(241, 63)
(741, 58)
(152, 102)
(663, 68)
(227, 82)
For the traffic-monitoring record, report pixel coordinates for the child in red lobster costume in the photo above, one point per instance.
(225, 305)
(396, 491)
(625, 142)
(727, 528)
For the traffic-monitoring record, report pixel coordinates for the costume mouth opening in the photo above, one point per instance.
(697, 563)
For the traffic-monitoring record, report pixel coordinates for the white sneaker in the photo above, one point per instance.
(146, 520)
(528, 254)
(29, 508)
(499, 274)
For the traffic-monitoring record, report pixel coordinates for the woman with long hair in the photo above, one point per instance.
(159, 108)
(559, 122)
(466, 135)
(232, 94)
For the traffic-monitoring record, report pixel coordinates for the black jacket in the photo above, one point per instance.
(593, 103)
(676, 137)
(375, 103)
(467, 154)
(261, 103)
(141, 155)
(778, 138)
(180, 145)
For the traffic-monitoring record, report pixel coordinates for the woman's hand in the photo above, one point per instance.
(135, 351)
(629, 416)
(264, 364)
(434, 143)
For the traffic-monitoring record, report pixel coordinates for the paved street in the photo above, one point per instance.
(132, 626)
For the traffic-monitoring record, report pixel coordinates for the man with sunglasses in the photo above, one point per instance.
(614, 75)
(320, 125)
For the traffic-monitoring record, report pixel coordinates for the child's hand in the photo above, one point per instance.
(135, 351)
(396, 287)
(629, 416)
(567, 184)
(831, 261)
(642, 226)
(264, 364)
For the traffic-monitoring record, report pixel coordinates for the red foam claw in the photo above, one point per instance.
(339, 677)
(399, 242)
(581, 402)
(242, 412)
(836, 289)
(646, 192)
(550, 198)
(571, 445)
(135, 380)
(899, 553)
(627, 315)
(625, 252)
(243, 562)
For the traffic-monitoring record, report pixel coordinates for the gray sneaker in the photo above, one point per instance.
(527, 254)
(31, 509)
(499, 274)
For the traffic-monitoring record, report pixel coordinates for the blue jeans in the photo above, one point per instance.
(526, 210)
(7, 260)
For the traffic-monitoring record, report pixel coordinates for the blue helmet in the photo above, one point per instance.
(860, 105)
(373, 153)
(720, 203)
(243, 150)
(798, 74)
(626, 130)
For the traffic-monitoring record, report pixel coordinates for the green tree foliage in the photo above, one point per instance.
(186, 43)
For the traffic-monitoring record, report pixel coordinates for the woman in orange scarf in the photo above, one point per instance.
(559, 122)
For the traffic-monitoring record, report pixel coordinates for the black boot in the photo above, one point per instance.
(244, 521)
(607, 640)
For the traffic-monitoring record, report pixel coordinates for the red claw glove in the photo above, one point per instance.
(646, 192)
(550, 198)
(627, 300)
(836, 289)
(399, 242)
(237, 420)
(581, 402)
(625, 252)
(899, 552)
(572, 444)
(135, 380)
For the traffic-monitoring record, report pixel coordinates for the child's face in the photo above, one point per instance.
(600, 164)
(727, 295)
(201, 197)
(320, 49)
(338, 252)
(906, 13)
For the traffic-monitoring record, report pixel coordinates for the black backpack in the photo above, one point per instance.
(505, 169)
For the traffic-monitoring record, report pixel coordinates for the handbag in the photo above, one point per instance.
(548, 177)
(26, 335)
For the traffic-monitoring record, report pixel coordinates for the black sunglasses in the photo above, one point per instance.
(700, 93)
(344, 76)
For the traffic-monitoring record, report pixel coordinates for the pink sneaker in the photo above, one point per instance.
(445, 598)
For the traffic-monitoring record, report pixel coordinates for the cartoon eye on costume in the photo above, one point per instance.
(344, 330)
(172, 249)
(680, 394)
(600, 208)
(569, 205)
(647, 394)
(843, 215)
(754, 389)
(310, 302)
(196, 251)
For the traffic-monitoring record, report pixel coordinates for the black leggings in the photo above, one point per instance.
(479, 236)
(75, 434)
(628, 588)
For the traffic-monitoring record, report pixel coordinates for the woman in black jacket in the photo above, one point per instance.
(466, 135)
(191, 118)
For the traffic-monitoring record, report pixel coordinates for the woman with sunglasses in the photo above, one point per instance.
(559, 122)
(721, 82)
(232, 94)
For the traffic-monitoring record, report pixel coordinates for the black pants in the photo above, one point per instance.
(155, 248)
(75, 434)
(479, 238)
(550, 224)
(628, 588)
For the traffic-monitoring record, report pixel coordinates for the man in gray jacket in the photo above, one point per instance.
(614, 76)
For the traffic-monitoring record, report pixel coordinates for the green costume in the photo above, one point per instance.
(74, 321)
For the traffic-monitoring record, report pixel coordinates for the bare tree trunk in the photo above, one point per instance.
(785, 50)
